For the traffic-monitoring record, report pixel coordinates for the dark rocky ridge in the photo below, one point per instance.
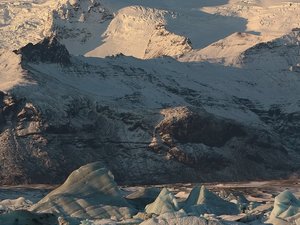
(253, 147)
(201, 128)
(48, 50)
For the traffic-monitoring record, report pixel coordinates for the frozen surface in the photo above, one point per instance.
(165, 202)
(264, 192)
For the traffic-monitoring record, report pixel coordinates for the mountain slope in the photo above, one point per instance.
(71, 115)
(220, 108)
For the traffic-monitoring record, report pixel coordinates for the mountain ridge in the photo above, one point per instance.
(181, 115)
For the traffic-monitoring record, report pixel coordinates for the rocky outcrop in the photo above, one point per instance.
(187, 126)
(201, 140)
(71, 20)
(81, 11)
(165, 43)
(21, 124)
(48, 50)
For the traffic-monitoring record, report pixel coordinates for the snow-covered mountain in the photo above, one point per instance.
(158, 91)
